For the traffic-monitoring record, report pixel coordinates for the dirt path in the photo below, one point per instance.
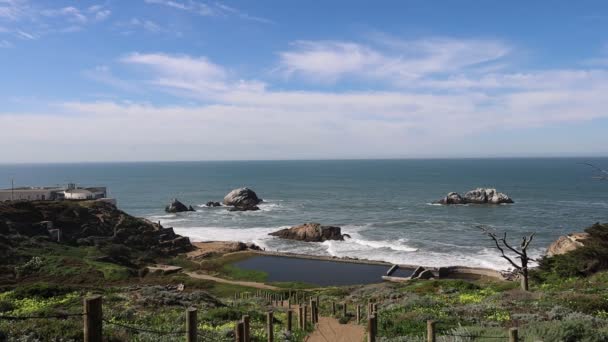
(330, 330)
(232, 282)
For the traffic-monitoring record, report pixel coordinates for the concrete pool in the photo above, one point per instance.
(318, 272)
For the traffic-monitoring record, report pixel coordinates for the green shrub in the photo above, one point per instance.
(584, 261)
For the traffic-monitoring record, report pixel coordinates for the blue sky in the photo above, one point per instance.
(193, 80)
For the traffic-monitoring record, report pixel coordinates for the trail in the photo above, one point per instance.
(329, 329)
(232, 282)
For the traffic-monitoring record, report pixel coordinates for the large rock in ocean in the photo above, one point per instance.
(177, 207)
(477, 196)
(242, 199)
(567, 244)
(310, 232)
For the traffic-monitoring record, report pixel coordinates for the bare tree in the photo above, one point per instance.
(521, 268)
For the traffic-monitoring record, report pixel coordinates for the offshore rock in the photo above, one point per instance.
(242, 197)
(477, 196)
(177, 207)
(310, 232)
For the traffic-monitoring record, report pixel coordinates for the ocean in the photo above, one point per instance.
(384, 205)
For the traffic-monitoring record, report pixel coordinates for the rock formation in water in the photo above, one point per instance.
(177, 207)
(242, 199)
(212, 204)
(477, 196)
(311, 232)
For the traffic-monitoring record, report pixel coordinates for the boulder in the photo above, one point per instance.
(567, 244)
(242, 197)
(177, 207)
(213, 204)
(310, 232)
(477, 196)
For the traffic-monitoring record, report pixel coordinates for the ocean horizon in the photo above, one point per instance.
(385, 205)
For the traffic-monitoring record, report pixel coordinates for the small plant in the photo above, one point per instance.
(33, 265)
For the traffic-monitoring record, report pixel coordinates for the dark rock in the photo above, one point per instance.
(452, 198)
(310, 232)
(253, 246)
(242, 197)
(177, 207)
(213, 204)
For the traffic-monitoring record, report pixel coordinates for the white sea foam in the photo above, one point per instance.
(401, 251)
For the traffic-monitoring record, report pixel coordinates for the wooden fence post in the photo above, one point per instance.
(269, 328)
(375, 309)
(191, 325)
(344, 309)
(313, 312)
(93, 316)
(289, 319)
(305, 317)
(430, 331)
(358, 313)
(513, 335)
(239, 332)
(300, 317)
(246, 329)
(371, 329)
(333, 308)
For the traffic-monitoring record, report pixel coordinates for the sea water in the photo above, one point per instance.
(386, 206)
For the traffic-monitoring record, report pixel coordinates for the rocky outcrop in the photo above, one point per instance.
(212, 204)
(242, 199)
(477, 196)
(310, 232)
(567, 244)
(217, 248)
(177, 207)
(89, 223)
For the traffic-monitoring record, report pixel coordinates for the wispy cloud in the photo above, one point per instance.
(137, 24)
(190, 74)
(4, 44)
(32, 21)
(393, 60)
(208, 9)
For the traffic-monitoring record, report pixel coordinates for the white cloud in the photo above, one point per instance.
(72, 14)
(128, 27)
(4, 44)
(13, 9)
(393, 60)
(193, 75)
(210, 9)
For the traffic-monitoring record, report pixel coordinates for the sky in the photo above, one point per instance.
(163, 80)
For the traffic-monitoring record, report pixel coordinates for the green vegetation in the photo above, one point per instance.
(584, 261)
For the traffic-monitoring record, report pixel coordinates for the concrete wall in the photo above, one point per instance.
(28, 195)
